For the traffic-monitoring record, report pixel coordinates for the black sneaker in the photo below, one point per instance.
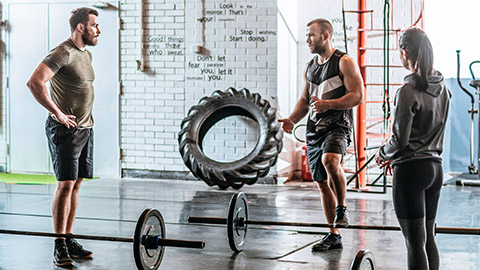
(61, 257)
(330, 241)
(77, 251)
(341, 216)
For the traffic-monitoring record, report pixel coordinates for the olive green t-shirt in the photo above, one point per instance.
(71, 88)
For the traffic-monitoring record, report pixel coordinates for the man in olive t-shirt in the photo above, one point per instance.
(69, 130)
(71, 89)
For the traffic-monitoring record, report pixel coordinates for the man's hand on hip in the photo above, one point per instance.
(67, 120)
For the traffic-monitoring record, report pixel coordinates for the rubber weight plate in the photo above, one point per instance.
(363, 261)
(237, 209)
(150, 223)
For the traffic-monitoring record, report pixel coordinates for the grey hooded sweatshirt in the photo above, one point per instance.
(419, 121)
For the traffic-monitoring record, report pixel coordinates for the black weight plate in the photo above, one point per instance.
(237, 233)
(150, 223)
(363, 261)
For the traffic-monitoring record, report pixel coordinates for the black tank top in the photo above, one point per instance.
(325, 82)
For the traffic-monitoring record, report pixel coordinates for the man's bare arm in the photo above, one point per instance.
(40, 76)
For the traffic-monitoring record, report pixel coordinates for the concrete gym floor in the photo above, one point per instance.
(112, 206)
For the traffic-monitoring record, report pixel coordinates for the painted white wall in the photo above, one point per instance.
(288, 163)
(28, 148)
(287, 56)
(452, 27)
(3, 105)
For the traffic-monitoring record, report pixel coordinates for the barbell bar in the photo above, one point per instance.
(241, 221)
(149, 240)
(237, 221)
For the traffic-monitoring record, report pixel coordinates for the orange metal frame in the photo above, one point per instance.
(362, 108)
(361, 132)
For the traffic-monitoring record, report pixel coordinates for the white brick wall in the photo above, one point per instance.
(231, 139)
(241, 39)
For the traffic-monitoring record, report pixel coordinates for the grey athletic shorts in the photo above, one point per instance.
(71, 150)
(334, 141)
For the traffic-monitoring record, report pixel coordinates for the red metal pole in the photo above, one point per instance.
(362, 108)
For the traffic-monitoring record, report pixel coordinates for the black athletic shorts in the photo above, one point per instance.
(334, 140)
(71, 150)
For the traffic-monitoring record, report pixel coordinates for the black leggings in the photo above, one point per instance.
(416, 191)
(416, 188)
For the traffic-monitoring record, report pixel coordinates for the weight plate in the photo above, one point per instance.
(237, 233)
(150, 223)
(363, 261)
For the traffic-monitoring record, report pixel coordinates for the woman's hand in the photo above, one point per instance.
(385, 164)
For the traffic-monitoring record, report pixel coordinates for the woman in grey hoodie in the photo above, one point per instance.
(413, 150)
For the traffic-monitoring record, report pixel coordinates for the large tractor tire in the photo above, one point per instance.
(210, 110)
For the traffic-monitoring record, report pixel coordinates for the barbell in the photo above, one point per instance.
(149, 240)
(237, 224)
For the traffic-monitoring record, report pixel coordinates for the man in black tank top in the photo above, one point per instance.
(333, 86)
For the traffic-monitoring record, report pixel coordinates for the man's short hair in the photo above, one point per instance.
(324, 24)
(80, 15)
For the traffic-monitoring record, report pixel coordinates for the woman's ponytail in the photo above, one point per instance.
(420, 53)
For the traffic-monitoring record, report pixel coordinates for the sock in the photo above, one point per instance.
(335, 235)
(69, 240)
(59, 243)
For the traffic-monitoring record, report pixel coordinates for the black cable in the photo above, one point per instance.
(386, 75)
(386, 62)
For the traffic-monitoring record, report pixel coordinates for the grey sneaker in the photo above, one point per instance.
(61, 257)
(329, 241)
(341, 216)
